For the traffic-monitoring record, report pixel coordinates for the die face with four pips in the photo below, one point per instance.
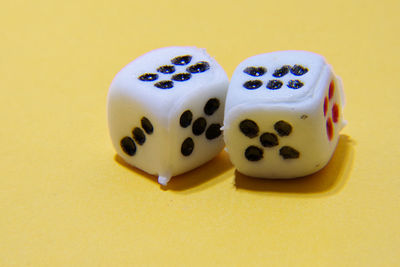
(283, 114)
(165, 110)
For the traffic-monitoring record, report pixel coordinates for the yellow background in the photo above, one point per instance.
(66, 199)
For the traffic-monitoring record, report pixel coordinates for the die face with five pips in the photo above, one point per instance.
(165, 111)
(282, 114)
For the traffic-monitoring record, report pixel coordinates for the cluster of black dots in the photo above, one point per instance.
(128, 144)
(198, 67)
(254, 153)
(199, 125)
(275, 84)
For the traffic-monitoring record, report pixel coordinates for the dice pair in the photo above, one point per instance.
(281, 114)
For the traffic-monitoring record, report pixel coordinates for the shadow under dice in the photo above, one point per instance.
(148, 128)
(282, 115)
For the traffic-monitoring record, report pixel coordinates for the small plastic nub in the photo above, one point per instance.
(163, 180)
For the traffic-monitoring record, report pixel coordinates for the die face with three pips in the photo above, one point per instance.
(282, 115)
(165, 110)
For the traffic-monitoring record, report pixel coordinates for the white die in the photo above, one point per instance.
(165, 110)
(283, 114)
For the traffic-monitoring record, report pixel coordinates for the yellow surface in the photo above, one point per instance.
(66, 199)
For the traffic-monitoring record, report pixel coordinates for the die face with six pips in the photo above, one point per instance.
(279, 114)
(179, 93)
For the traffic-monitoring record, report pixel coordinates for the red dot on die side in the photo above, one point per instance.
(331, 89)
(329, 128)
(325, 106)
(335, 113)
